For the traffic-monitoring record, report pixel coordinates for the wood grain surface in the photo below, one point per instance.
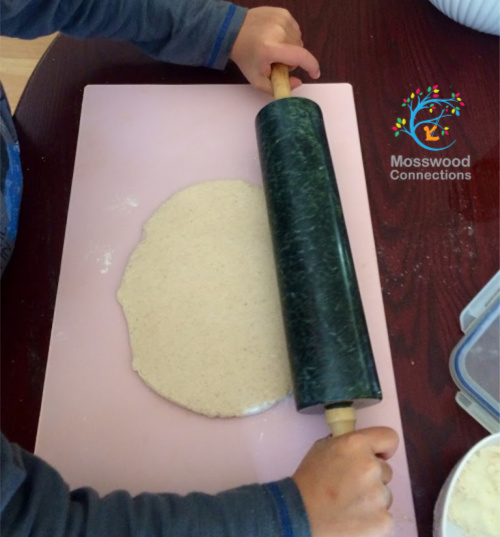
(437, 241)
(18, 60)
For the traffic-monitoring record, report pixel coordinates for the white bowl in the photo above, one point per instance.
(443, 527)
(482, 15)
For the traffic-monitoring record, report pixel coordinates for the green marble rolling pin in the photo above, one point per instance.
(328, 344)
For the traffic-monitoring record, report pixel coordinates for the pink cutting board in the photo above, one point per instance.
(99, 424)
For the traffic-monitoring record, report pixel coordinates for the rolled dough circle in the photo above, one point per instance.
(201, 301)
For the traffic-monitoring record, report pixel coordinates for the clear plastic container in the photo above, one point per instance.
(475, 361)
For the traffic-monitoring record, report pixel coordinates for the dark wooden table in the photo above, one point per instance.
(437, 241)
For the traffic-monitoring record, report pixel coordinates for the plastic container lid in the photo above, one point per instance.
(475, 361)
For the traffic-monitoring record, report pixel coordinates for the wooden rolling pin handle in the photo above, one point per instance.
(280, 80)
(341, 420)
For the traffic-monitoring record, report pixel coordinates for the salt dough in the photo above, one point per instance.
(201, 300)
(476, 497)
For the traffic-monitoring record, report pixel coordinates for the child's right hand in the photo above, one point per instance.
(271, 35)
(343, 483)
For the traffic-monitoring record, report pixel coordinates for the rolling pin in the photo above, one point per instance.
(331, 359)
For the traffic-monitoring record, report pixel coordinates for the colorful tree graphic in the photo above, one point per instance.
(417, 103)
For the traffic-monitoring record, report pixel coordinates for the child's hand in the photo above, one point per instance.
(343, 483)
(271, 35)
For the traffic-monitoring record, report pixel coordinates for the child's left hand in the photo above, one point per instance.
(271, 35)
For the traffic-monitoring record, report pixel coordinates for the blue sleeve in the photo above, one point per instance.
(11, 182)
(36, 502)
(188, 32)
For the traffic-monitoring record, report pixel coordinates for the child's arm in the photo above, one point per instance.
(341, 483)
(188, 32)
(35, 501)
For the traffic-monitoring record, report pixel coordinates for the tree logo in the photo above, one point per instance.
(432, 129)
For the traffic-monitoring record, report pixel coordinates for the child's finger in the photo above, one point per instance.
(387, 497)
(295, 55)
(383, 441)
(294, 35)
(294, 24)
(263, 83)
(295, 82)
(386, 472)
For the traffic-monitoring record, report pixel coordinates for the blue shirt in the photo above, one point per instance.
(35, 501)
(188, 32)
